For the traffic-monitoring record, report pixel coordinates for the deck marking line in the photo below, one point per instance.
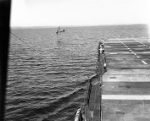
(126, 97)
(134, 53)
(112, 53)
(119, 53)
(140, 43)
(144, 62)
(126, 81)
(145, 52)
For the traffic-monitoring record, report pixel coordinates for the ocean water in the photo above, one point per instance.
(47, 74)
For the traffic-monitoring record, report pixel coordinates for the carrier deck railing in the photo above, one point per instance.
(87, 110)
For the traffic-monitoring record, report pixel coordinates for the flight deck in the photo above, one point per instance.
(122, 92)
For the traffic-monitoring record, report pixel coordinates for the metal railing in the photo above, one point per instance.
(83, 113)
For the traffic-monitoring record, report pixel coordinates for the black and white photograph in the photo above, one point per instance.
(78, 60)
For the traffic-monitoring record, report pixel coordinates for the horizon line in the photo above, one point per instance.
(12, 27)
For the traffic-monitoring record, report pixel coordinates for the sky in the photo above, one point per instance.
(26, 13)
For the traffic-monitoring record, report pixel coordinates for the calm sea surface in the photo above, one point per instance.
(47, 76)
